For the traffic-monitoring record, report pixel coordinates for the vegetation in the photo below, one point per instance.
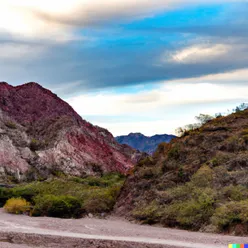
(17, 206)
(10, 125)
(70, 197)
(202, 119)
(198, 181)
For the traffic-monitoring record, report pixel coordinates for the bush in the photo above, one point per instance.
(17, 206)
(99, 201)
(148, 173)
(4, 196)
(203, 177)
(148, 213)
(174, 152)
(69, 197)
(10, 125)
(34, 145)
(235, 193)
(57, 206)
(192, 213)
(230, 214)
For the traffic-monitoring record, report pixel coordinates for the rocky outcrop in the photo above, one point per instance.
(41, 134)
(144, 143)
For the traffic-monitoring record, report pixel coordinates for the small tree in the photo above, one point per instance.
(203, 119)
(241, 107)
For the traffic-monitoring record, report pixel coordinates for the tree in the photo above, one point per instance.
(203, 119)
(241, 107)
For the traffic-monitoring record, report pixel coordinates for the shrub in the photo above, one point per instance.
(230, 214)
(71, 196)
(4, 196)
(34, 145)
(26, 193)
(235, 193)
(191, 213)
(148, 173)
(203, 177)
(10, 125)
(57, 206)
(99, 201)
(174, 152)
(17, 206)
(148, 213)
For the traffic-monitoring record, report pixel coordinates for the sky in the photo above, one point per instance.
(130, 66)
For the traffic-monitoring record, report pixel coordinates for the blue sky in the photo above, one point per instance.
(130, 66)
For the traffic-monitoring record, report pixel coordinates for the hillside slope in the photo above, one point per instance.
(144, 143)
(197, 182)
(41, 134)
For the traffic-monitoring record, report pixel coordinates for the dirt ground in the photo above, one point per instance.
(19, 231)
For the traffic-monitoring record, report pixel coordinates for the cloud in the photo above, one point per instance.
(12, 51)
(166, 107)
(68, 52)
(200, 53)
(56, 19)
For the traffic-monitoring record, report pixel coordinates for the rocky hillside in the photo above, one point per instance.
(41, 134)
(197, 182)
(144, 143)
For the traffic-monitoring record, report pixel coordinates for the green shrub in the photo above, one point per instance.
(26, 193)
(98, 201)
(203, 177)
(231, 214)
(57, 206)
(235, 193)
(17, 206)
(191, 213)
(59, 196)
(174, 152)
(4, 196)
(148, 213)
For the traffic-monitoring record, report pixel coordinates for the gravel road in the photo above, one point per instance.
(19, 231)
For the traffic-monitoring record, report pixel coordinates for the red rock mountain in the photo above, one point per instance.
(42, 134)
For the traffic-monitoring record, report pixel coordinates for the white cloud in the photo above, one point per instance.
(171, 105)
(53, 18)
(200, 53)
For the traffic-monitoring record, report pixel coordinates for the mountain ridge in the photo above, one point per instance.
(144, 143)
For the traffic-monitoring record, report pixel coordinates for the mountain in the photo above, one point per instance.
(41, 134)
(144, 143)
(198, 181)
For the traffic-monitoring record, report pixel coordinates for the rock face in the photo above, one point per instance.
(41, 134)
(144, 143)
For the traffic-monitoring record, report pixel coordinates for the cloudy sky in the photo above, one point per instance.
(130, 66)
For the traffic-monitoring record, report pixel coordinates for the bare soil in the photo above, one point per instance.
(19, 231)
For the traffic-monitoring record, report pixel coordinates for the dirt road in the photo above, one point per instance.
(24, 231)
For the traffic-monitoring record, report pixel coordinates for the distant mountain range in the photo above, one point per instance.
(144, 143)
